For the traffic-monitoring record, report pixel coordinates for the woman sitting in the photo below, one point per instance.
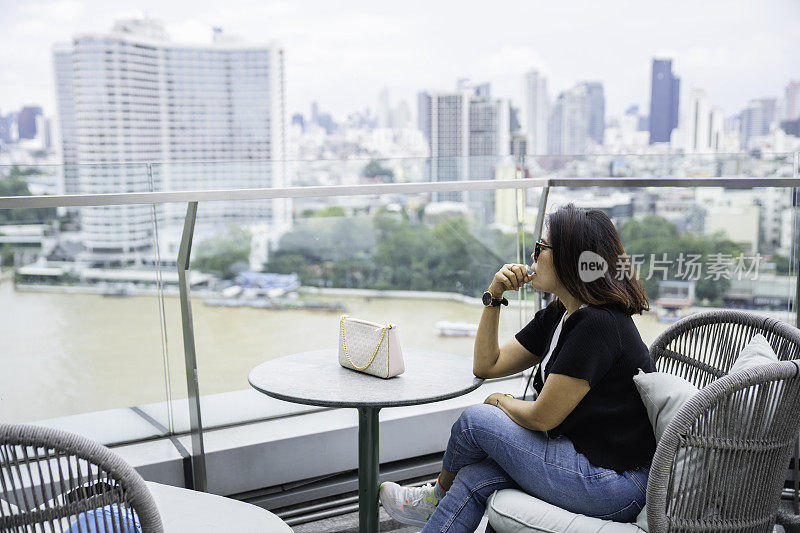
(585, 444)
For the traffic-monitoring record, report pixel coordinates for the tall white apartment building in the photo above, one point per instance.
(568, 132)
(577, 119)
(535, 111)
(700, 128)
(788, 105)
(141, 113)
(468, 134)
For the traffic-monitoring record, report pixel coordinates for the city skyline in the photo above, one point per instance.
(343, 58)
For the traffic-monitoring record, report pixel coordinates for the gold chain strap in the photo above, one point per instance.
(344, 343)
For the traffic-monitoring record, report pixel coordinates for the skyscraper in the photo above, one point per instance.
(131, 96)
(595, 111)
(701, 126)
(444, 119)
(384, 119)
(424, 110)
(65, 100)
(789, 103)
(664, 101)
(535, 111)
(26, 122)
(568, 129)
(755, 122)
(467, 132)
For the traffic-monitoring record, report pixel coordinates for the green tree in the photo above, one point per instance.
(446, 257)
(330, 211)
(15, 184)
(6, 254)
(290, 263)
(375, 170)
(652, 237)
(224, 255)
(782, 265)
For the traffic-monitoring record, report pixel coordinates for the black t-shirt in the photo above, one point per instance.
(601, 345)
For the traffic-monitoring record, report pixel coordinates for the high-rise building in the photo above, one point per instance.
(65, 101)
(577, 119)
(769, 105)
(5, 134)
(468, 134)
(514, 123)
(315, 113)
(568, 129)
(401, 116)
(535, 111)
(424, 111)
(754, 122)
(664, 101)
(444, 120)
(206, 116)
(479, 90)
(789, 103)
(26, 122)
(694, 130)
(384, 118)
(595, 111)
(716, 129)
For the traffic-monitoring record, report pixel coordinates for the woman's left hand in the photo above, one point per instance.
(495, 398)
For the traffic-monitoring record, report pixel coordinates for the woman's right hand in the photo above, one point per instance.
(509, 278)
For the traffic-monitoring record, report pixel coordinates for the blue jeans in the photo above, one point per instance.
(105, 520)
(488, 451)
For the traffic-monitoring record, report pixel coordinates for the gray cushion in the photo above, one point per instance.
(513, 511)
(185, 510)
(757, 352)
(663, 395)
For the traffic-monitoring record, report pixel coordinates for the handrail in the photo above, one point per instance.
(82, 200)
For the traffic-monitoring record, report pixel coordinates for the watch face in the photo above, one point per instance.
(487, 298)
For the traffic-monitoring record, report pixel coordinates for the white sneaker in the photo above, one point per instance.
(408, 505)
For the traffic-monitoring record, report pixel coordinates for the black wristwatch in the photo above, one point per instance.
(491, 301)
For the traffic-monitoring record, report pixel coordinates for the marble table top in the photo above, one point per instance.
(316, 378)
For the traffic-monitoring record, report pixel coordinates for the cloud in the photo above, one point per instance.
(64, 11)
(190, 31)
(517, 59)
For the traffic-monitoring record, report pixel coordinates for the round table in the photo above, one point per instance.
(316, 378)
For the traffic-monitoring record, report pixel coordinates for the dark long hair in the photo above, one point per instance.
(572, 231)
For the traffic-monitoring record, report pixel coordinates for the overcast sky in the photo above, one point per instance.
(343, 53)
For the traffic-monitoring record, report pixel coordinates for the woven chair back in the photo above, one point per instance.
(51, 480)
(721, 464)
(702, 347)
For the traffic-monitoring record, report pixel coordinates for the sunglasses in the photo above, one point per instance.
(537, 249)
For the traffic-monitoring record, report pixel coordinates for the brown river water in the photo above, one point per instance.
(63, 354)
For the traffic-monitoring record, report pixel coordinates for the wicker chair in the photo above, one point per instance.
(51, 480)
(722, 462)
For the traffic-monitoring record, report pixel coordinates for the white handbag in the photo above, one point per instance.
(370, 348)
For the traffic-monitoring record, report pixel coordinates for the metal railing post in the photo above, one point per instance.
(537, 231)
(796, 228)
(192, 381)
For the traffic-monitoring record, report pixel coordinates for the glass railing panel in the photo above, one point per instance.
(701, 248)
(81, 334)
(31, 180)
(272, 288)
(348, 254)
(659, 165)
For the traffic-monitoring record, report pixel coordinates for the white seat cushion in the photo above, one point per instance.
(7, 508)
(185, 510)
(513, 511)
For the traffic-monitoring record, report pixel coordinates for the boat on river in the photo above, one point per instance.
(456, 329)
